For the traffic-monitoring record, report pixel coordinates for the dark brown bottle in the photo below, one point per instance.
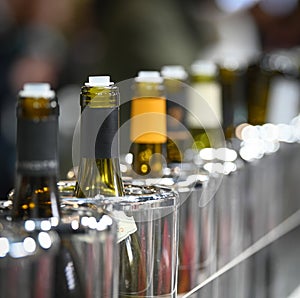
(36, 194)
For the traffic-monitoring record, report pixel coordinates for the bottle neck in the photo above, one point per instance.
(148, 160)
(36, 193)
(148, 89)
(203, 78)
(99, 170)
(36, 197)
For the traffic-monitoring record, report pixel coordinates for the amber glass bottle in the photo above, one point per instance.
(148, 124)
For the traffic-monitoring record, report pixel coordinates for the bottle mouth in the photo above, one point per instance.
(99, 81)
(37, 90)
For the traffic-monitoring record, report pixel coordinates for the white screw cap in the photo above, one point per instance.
(149, 77)
(204, 67)
(176, 72)
(37, 90)
(99, 81)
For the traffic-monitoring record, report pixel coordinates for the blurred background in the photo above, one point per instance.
(64, 41)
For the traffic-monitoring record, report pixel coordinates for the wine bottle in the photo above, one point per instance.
(233, 85)
(273, 89)
(205, 105)
(99, 173)
(36, 192)
(259, 76)
(99, 168)
(174, 78)
(148, 136)
(148, 124)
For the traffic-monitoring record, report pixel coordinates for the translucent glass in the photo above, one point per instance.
(147, 239)
(27, 259)
(89, 236)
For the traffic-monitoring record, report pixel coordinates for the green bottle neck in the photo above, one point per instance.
(99, 169)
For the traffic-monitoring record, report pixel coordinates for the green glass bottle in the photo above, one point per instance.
(273, 89)
(175, 78)
(99, 168)
(232, 75)
(99, 173)
(148, 124)
(204, 118)
(259, 77)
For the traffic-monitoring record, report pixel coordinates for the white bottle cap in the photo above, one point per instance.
(149, 77)
(99, 81)
(176, 72)
(37, 90)
(204, 67)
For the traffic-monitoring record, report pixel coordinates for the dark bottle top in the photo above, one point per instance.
(36, 194)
